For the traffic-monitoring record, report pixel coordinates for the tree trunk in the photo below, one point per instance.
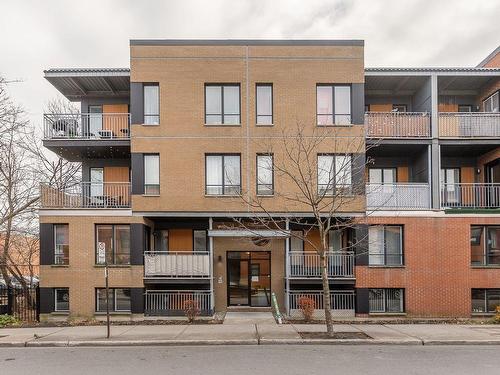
(326, 293)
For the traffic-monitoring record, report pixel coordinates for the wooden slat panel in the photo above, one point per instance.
(381, 107)
(116, 174)
(448, 107)
(180, 240)
(467, 176)
(402, 174)
(115, 124)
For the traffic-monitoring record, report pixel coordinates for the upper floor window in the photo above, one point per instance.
(115, 240)
(491, 104)
(265, 178)
(222, 104)
(223, 175)
(333, 104)
(382, 175)
(385, 245)
(334, 174)
(386, 300)
(485, 245)
(264, 108)
(152, 174)
(151, 104)
(399, 108)
(464, 108)
(119, 299)
(61, 244)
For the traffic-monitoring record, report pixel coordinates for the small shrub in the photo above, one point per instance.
(191, 309)
(496, 318)
(8, 320)
(307, 306)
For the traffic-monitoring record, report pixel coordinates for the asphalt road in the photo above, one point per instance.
(256, 360)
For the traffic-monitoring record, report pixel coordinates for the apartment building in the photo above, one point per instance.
(168, 146)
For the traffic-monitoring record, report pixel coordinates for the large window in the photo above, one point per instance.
(386, 300)
(485, 245)
(61, 299)
(115, 240)
(200, 240)
(222, 104)
(485, 300)
(119, 299)
(382, 175)
(385, 245)
(223, 175)
(491, 104)
(61, 244)
(264, 107)
(151, 104)
(334, 174)
(151, 174)
(265, 177)
(333, 105)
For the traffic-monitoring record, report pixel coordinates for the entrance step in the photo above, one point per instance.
(248, 309)
(249, 318)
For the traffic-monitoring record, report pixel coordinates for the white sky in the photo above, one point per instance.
(40, 34)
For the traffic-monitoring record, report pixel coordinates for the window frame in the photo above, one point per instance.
(333, 114)
(490, 97)
(485, 301)
(222, 114)
(401, 246)
(144, 115)
(206, 240)
(382, 169)
(334, 182)
(113, 241)
(385, 301)
(485, 246)
(113, 300)
(223, 179)
(158, 186)
(55, 245)
(263, 84)
(55, 299)
(257, 184)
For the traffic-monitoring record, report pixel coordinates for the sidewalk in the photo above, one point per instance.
(248, 334)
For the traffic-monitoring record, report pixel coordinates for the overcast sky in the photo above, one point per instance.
(40, 34)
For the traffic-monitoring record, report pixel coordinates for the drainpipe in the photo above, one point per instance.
(211, 253)
(287, 270)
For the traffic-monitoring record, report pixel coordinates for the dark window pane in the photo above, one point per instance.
(62, 299)
(493, 245)
(477, 246)
(101, 300)
(478, 300)
(200, 240)
(61, 245)
(122, 244)
(493, 299)
(105, 239)
(122, 297)
(393, 237)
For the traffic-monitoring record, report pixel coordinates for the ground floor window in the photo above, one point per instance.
(485, 300)
(119, 299)
(386, 300)
(61, 299)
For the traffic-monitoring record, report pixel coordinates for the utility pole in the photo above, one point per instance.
(107, 298)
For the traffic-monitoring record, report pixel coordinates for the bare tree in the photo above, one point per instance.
(319, 174)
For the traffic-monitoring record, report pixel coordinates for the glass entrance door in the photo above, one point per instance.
(249, 278)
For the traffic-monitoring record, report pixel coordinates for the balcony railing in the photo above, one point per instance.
(469, 124)
(103, 126)
(464, 195)
(342, 303)
(181, 264)
(305, 264)
(398, 124)
(398, 196)
(86, 195)
(172, 302)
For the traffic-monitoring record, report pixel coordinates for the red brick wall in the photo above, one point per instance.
(437, 275)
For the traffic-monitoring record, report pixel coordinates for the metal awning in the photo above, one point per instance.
(76, 84)
(248, 233)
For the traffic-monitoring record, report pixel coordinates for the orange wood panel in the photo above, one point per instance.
(381, 107)
(116, 174)
(403, 174)
(448, 107)
(115, 123)
(180, 240)
(467, 176)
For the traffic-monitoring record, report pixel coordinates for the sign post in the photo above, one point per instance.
(101, 258)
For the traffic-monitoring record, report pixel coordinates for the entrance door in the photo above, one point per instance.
(249, 278)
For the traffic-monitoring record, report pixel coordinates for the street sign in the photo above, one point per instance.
(101, 252)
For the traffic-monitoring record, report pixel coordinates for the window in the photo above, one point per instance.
(333, 105)
(161, 240)
(222, 174)
(485, 245)
(61, 244)
(335, 240)
(296, 241)
(200, 240)
(450, 190)
(264, 107)
(386, 300)
(382, 175)
(265, 177)
(491, 104)
(119, 299)
(222, 104)
(464, 108)
(115, 239)
(151, 104)
(61, 299)
(485, 300)
(399, 107)
(385, 247)
(152, 174)
(334, 173)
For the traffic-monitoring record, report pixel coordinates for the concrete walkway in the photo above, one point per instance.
(250, 334)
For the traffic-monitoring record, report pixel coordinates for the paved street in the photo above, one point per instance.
(283, 359)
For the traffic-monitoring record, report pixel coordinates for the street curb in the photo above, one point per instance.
(101, 343)
(337, 342)
(461, 342)
(12, 344)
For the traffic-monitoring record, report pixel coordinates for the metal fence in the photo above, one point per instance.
(86, 195)
(398, 196)
(398, 124)
(21, 303)
(342, 303)
(465, 195)
(177, 264)
(171, 302)
(307, 264)
(469, 125)
(87, 126)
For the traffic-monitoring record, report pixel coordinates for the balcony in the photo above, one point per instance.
(86, 195)
(469, 125)
(397, 124)
(342, 303)
(171, 302)
(470, 195)
(398, 196)
(304, 265)
(182, 264)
